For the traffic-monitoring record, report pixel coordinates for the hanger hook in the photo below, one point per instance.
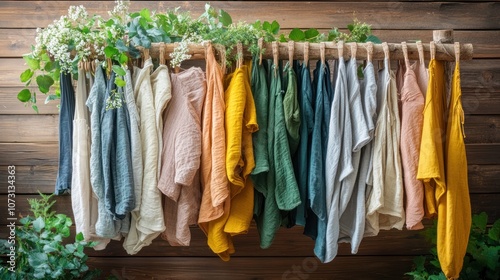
(385, 47)
(275, 56)
(404, 47)
(291, 50)
(322, 52)
(239, 48)
(260, 43)
(420, 49)
(369, 51)
(306, 53)
(340, 49)
(354, 49)
(432, 46)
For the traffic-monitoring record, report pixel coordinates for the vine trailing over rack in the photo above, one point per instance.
(78, 37)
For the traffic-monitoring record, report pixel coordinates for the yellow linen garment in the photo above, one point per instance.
(431, 160)
(446, 197)
(240, 123)
(454, 210)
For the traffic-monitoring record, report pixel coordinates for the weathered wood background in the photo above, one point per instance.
(29, 141)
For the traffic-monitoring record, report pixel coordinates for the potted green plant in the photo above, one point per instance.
(42, 250)
(481, 260)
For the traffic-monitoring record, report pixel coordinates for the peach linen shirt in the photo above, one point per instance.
(214, 183)
(179, 176)
(412, 108)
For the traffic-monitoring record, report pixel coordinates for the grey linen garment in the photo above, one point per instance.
(352, 221)
(105, 225)
(63, 181)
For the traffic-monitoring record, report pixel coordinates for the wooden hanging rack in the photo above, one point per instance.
(445, 52)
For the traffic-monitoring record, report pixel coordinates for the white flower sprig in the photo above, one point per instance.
(72, 34)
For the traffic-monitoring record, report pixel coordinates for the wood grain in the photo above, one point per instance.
(32, 179)
(348, 267)
(28, 128)
(29, 153)
(483, 153)
(381, 15)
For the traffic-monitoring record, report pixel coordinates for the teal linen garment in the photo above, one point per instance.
(305, 99)
(317, 189)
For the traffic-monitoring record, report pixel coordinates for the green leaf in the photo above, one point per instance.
(34, 107)
(350, 27)
(362, 38)
(494, 232)
(435, 263)
(49, 249)
(333, 34)
(143, 23)
(36, 259)
(311, 33)
(79, 237)
(26, 75)
(225, 18)
(257, 25)
(119, 82)
(146, 14)
(24, 95)
(32, 62)
(123, 59)
(491, 257)
(45, 57)
(110, 51)
(71, 248)
(374, 39)
(38, 224)
(267, 26)
(275, 27)
(282, 38)
(297, 35)
(120, 45)
(26, 220)
(49, 66)
(119, 70)
(51, 97)
(480, 221)
(44, 83)
(109, 23)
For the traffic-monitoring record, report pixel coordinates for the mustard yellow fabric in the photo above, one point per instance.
(240, 123)
(454, 210)
(431, 159)
(443, 169)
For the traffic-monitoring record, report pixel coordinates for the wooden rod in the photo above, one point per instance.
(445, 52)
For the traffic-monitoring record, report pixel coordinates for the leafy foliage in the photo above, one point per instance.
(79, 37)
(482, 260)
(41, 252)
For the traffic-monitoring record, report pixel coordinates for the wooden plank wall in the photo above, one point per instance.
(29, 141)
